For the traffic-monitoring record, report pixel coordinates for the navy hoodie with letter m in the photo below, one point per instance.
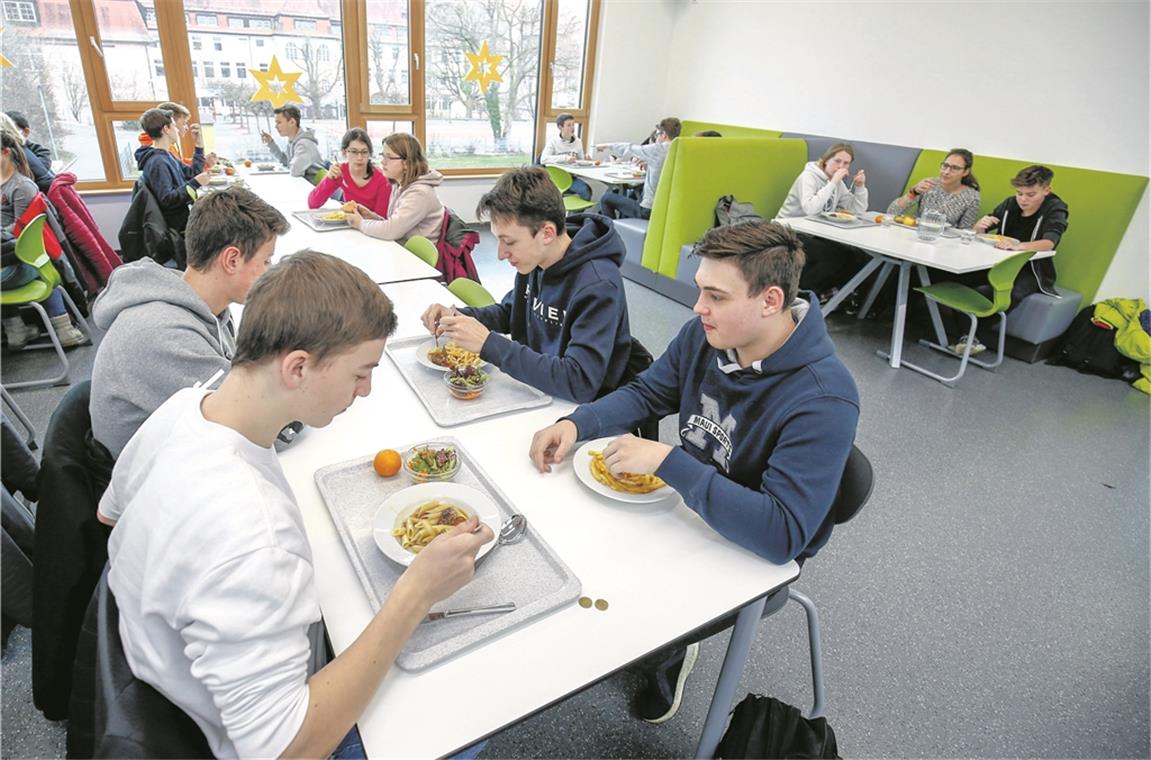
(568, 326)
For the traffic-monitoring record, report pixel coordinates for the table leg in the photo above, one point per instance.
(738, 649)
(932, 307)
(850, 286)
(880, 281)
(900, 316)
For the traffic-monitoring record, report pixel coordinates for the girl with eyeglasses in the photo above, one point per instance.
(360, 182)
(954, 193)
(414, 207)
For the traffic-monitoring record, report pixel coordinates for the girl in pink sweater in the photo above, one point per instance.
(361, 182)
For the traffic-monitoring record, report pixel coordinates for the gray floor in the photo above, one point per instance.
(991, 601)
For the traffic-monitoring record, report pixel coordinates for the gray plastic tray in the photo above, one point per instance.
(504, 393)
(319, 225)
(527, 572)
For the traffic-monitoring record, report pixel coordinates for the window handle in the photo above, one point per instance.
(95, 44)
(417, 57)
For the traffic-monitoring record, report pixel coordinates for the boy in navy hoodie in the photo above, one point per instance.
(567, 314)
(767, 415)
(165, 175)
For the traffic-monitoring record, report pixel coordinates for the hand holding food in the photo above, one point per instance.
(628, 455)
(210, 160)
(626, 482)
(349, 206)
(839, 175)
(551, 445)
(334, 173)
(466, 332)
(860, 179)
(197, 135)
(446, 565)
(353, 218)
(985, 223)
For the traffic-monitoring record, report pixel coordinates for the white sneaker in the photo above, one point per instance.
(66, 331)
(977, 346)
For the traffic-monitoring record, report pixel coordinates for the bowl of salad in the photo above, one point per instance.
(466, 382)
(432, 462)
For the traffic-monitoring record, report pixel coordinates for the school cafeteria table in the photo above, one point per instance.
(609, 174)
(382, 260)
(662, 570)
(899, 247)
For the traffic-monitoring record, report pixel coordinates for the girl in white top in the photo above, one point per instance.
(821, 187)
(414, 208)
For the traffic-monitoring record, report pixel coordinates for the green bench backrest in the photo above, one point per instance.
(727, 130)
(1101, 205)
(699, 171)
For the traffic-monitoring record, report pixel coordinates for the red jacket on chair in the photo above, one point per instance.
(81, 228)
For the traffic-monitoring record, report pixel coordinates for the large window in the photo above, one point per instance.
(388, 65)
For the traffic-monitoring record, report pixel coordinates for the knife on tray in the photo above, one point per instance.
(493, 609)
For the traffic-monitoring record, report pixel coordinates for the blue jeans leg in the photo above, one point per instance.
(352, 748)
(580, 188)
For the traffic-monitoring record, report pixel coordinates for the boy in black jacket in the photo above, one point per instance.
(1034, 219)
(163, 174)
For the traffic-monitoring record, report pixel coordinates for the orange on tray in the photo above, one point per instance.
(387, 463)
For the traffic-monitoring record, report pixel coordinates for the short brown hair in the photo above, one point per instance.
(311, 302)
(526, 195)
(177, 109)
(1033, 175)
(289, 112)
(671, 127)
(827, 154)
(154, 120)
(234, 216)
(408, 148)
(768, 253)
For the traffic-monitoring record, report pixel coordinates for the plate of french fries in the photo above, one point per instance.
(446, 355)
(630, 488)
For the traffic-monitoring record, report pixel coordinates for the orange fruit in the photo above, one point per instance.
(387, 463)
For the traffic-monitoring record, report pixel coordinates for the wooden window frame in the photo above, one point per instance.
(175, 50)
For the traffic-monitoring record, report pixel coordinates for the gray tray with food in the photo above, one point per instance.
(324, 219)
(527, 573)
(501, 394)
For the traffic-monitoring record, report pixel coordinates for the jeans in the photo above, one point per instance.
(19, 275)
(580, 188)
(352, 748)
(615, 205)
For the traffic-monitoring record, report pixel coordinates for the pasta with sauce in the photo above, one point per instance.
(426, 522)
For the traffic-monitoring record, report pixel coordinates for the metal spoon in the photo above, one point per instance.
(513, 529)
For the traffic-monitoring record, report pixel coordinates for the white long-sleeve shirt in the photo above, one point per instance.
(653, 154)
(560, 151)
(213, 576)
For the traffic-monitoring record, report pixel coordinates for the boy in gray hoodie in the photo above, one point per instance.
(303, 150)
(168, 330)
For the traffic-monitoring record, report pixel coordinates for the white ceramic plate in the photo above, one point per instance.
(422, 357)
(581, 463)
(399, 505)
(582, 162)
(625, 175)
(990, 239)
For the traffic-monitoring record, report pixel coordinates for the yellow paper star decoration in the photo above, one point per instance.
(276, 86)
(4, 62)
(483, 67)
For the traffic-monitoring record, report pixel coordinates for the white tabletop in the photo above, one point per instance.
(410, 299)
(609, 174)
(947, 254)
(383, 260)
(663, 572)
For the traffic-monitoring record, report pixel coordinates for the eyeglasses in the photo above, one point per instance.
(392, 158)
(357, 153)
(951, 167)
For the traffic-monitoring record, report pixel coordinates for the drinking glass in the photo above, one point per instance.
(966, 236)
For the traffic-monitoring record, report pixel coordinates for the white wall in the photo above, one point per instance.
(1056, 82)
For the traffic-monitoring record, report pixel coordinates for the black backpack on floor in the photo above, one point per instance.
(764, 727)
(1089, 348)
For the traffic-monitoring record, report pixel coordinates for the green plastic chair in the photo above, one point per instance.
(470, 292)
(30, 250)
(975, 305)
(192, 192)
(563, 180)
(424, 248)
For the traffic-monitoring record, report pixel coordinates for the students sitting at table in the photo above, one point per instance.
(616, 204)
(566, 316)
(358, 179)
(165, 176)
(955, 193)
(1034, 219)
(180, 117)
(413, 208)
(565, 148)
(820, 187)
(17, 192)
(302, 146)
(767, 417)
(166, 329)
(209, 562)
